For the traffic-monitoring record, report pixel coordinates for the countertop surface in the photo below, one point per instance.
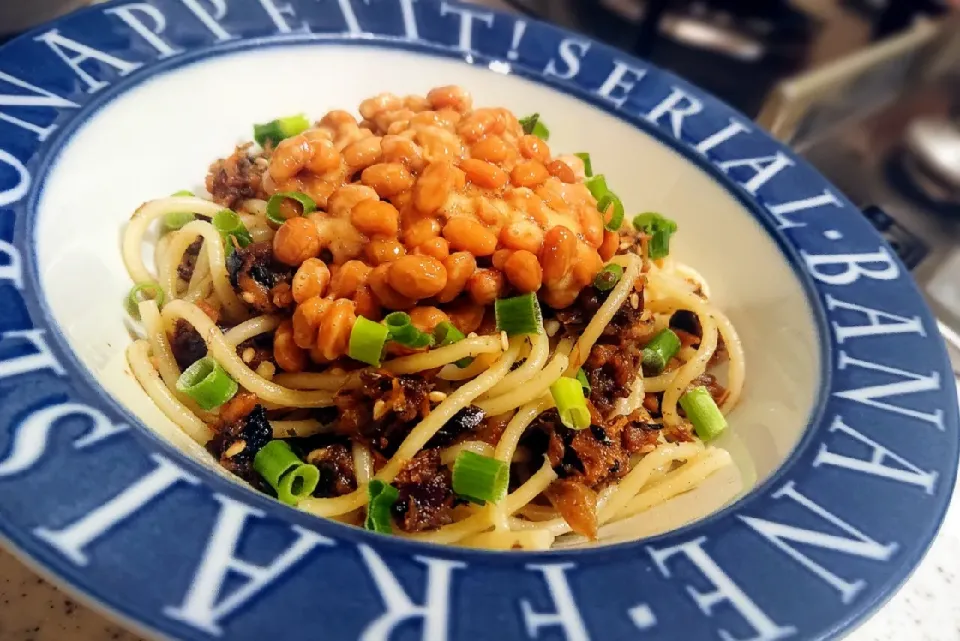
(925, 609)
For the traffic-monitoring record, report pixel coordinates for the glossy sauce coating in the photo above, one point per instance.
(426, 203)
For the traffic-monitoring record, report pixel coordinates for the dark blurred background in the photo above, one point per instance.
(737, 49)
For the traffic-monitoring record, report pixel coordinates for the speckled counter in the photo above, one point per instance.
(33, 610)
(926, 609)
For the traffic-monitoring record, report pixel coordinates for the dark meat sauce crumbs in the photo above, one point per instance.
(189, 260)
(589, 459)
(426, 493)
(337, 473)
(381, 414)
(615, 358)
(259, 280)
(426, 498)
(383, 410)
(254, 431)
(235, 178)
(186, 344)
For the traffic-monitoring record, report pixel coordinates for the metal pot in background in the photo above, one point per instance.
(931, 159)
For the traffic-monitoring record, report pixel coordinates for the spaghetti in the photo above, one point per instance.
(425, 323)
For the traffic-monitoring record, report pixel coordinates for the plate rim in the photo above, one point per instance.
(816, 421)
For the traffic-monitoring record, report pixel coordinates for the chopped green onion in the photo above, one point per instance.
(229, 225)
(518, 315)
(366, 341)
(659, 246)
(273, 205)
(403, 331)
(527, 123)
(540, 131)
(269, 131)
(571, 403)
(608, 277)
(584, 383)
(207, 383)
(480, 478)
(597, 186)
(275, 459)
(703, 412)
(292, 479)
(279, 129)
(587, 164)
(298, 484)
(228, 222)
(652, 220)
(382, 496)
(660, 350)
(533, 125)
(446, 333)
(616, 216)
(177, 219)
(140, 293)
(660, 229)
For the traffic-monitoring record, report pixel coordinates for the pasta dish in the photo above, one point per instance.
(426, 323)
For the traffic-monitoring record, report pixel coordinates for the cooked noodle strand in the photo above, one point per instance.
(295, 312)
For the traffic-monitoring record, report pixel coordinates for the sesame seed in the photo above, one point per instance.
(379, 410)
(236, 448)
(634, 300)
(437, 397)
(248, 354)
(247, 297)
(625, 244)
(266, 369)
(551, 327)
(504, 341)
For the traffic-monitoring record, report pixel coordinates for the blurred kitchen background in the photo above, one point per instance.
(867, 90)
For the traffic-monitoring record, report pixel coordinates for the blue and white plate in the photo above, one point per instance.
(846, 440)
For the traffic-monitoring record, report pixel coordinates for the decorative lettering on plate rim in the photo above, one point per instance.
(850, 447)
